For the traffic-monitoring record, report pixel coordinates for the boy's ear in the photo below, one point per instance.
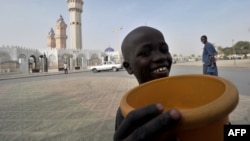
(127, 67)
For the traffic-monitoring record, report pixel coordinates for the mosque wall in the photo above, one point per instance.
(11, 58)
(52, 58)
(26, 60)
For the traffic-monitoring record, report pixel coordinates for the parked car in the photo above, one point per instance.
(107, 65)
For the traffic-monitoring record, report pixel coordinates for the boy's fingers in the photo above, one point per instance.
(137, 118)
(157, 126)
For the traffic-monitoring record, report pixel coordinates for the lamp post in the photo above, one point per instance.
(118, 59)
(118, 35)
(234, 55)
(0, 64)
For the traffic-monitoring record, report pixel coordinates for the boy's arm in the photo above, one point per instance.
(119, 118)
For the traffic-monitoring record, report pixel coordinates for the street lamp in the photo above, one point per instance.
(0, 64)
(234, 55)
(118, 43)
(118, 36)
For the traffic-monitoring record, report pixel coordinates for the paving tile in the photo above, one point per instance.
(106, 136)
(11, 136)
(33, 126)
(33, 136)
(13, 115)
(10, 126)
(63, 126)
(76, 115)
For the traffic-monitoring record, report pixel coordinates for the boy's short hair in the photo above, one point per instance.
(126, 47)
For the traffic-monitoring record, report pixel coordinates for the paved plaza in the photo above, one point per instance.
(71, 109)
(75, 109)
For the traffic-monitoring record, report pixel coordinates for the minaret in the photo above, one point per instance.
(51, 39)
(61, 33)
(75, 10)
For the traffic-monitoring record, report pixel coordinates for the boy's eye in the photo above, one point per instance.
(164, 48)
(145, 52)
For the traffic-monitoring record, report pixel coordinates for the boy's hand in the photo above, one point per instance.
(147, 123)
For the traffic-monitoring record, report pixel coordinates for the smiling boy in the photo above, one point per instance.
(147, 57)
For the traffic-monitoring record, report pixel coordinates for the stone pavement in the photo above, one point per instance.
(71, 109)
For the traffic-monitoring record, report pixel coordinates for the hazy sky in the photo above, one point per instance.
(27, 22)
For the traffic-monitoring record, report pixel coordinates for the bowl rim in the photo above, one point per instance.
(192, 118)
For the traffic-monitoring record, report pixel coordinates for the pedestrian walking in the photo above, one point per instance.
(65, 68)
(208, 57)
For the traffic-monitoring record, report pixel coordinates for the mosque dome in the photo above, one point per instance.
(51, 32)
(60, 20)
(109, 49)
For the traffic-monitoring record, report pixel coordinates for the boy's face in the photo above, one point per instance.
(149, 55)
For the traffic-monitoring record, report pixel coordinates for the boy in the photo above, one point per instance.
(146, 55)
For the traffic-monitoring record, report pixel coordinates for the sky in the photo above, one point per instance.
(26, 23)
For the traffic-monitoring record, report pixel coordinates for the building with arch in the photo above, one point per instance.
(27, 60)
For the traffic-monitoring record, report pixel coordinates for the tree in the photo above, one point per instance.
(192, 56)
(175, 55)
(227, 51)
(242, 47)
(220, 49)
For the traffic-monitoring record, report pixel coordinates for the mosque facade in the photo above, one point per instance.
(16, 59)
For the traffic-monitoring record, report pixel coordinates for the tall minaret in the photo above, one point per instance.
(61, 33)
(75, 10)
(51, 39)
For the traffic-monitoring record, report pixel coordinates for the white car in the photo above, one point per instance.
(108, 65)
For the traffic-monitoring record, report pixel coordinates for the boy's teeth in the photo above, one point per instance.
(160, 69)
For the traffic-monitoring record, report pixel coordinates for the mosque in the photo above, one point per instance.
(25, 60)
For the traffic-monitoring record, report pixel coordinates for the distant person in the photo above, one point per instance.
(65, 65)
(208, 57)
(147, 57)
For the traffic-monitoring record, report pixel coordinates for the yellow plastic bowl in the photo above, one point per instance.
(205, 103)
